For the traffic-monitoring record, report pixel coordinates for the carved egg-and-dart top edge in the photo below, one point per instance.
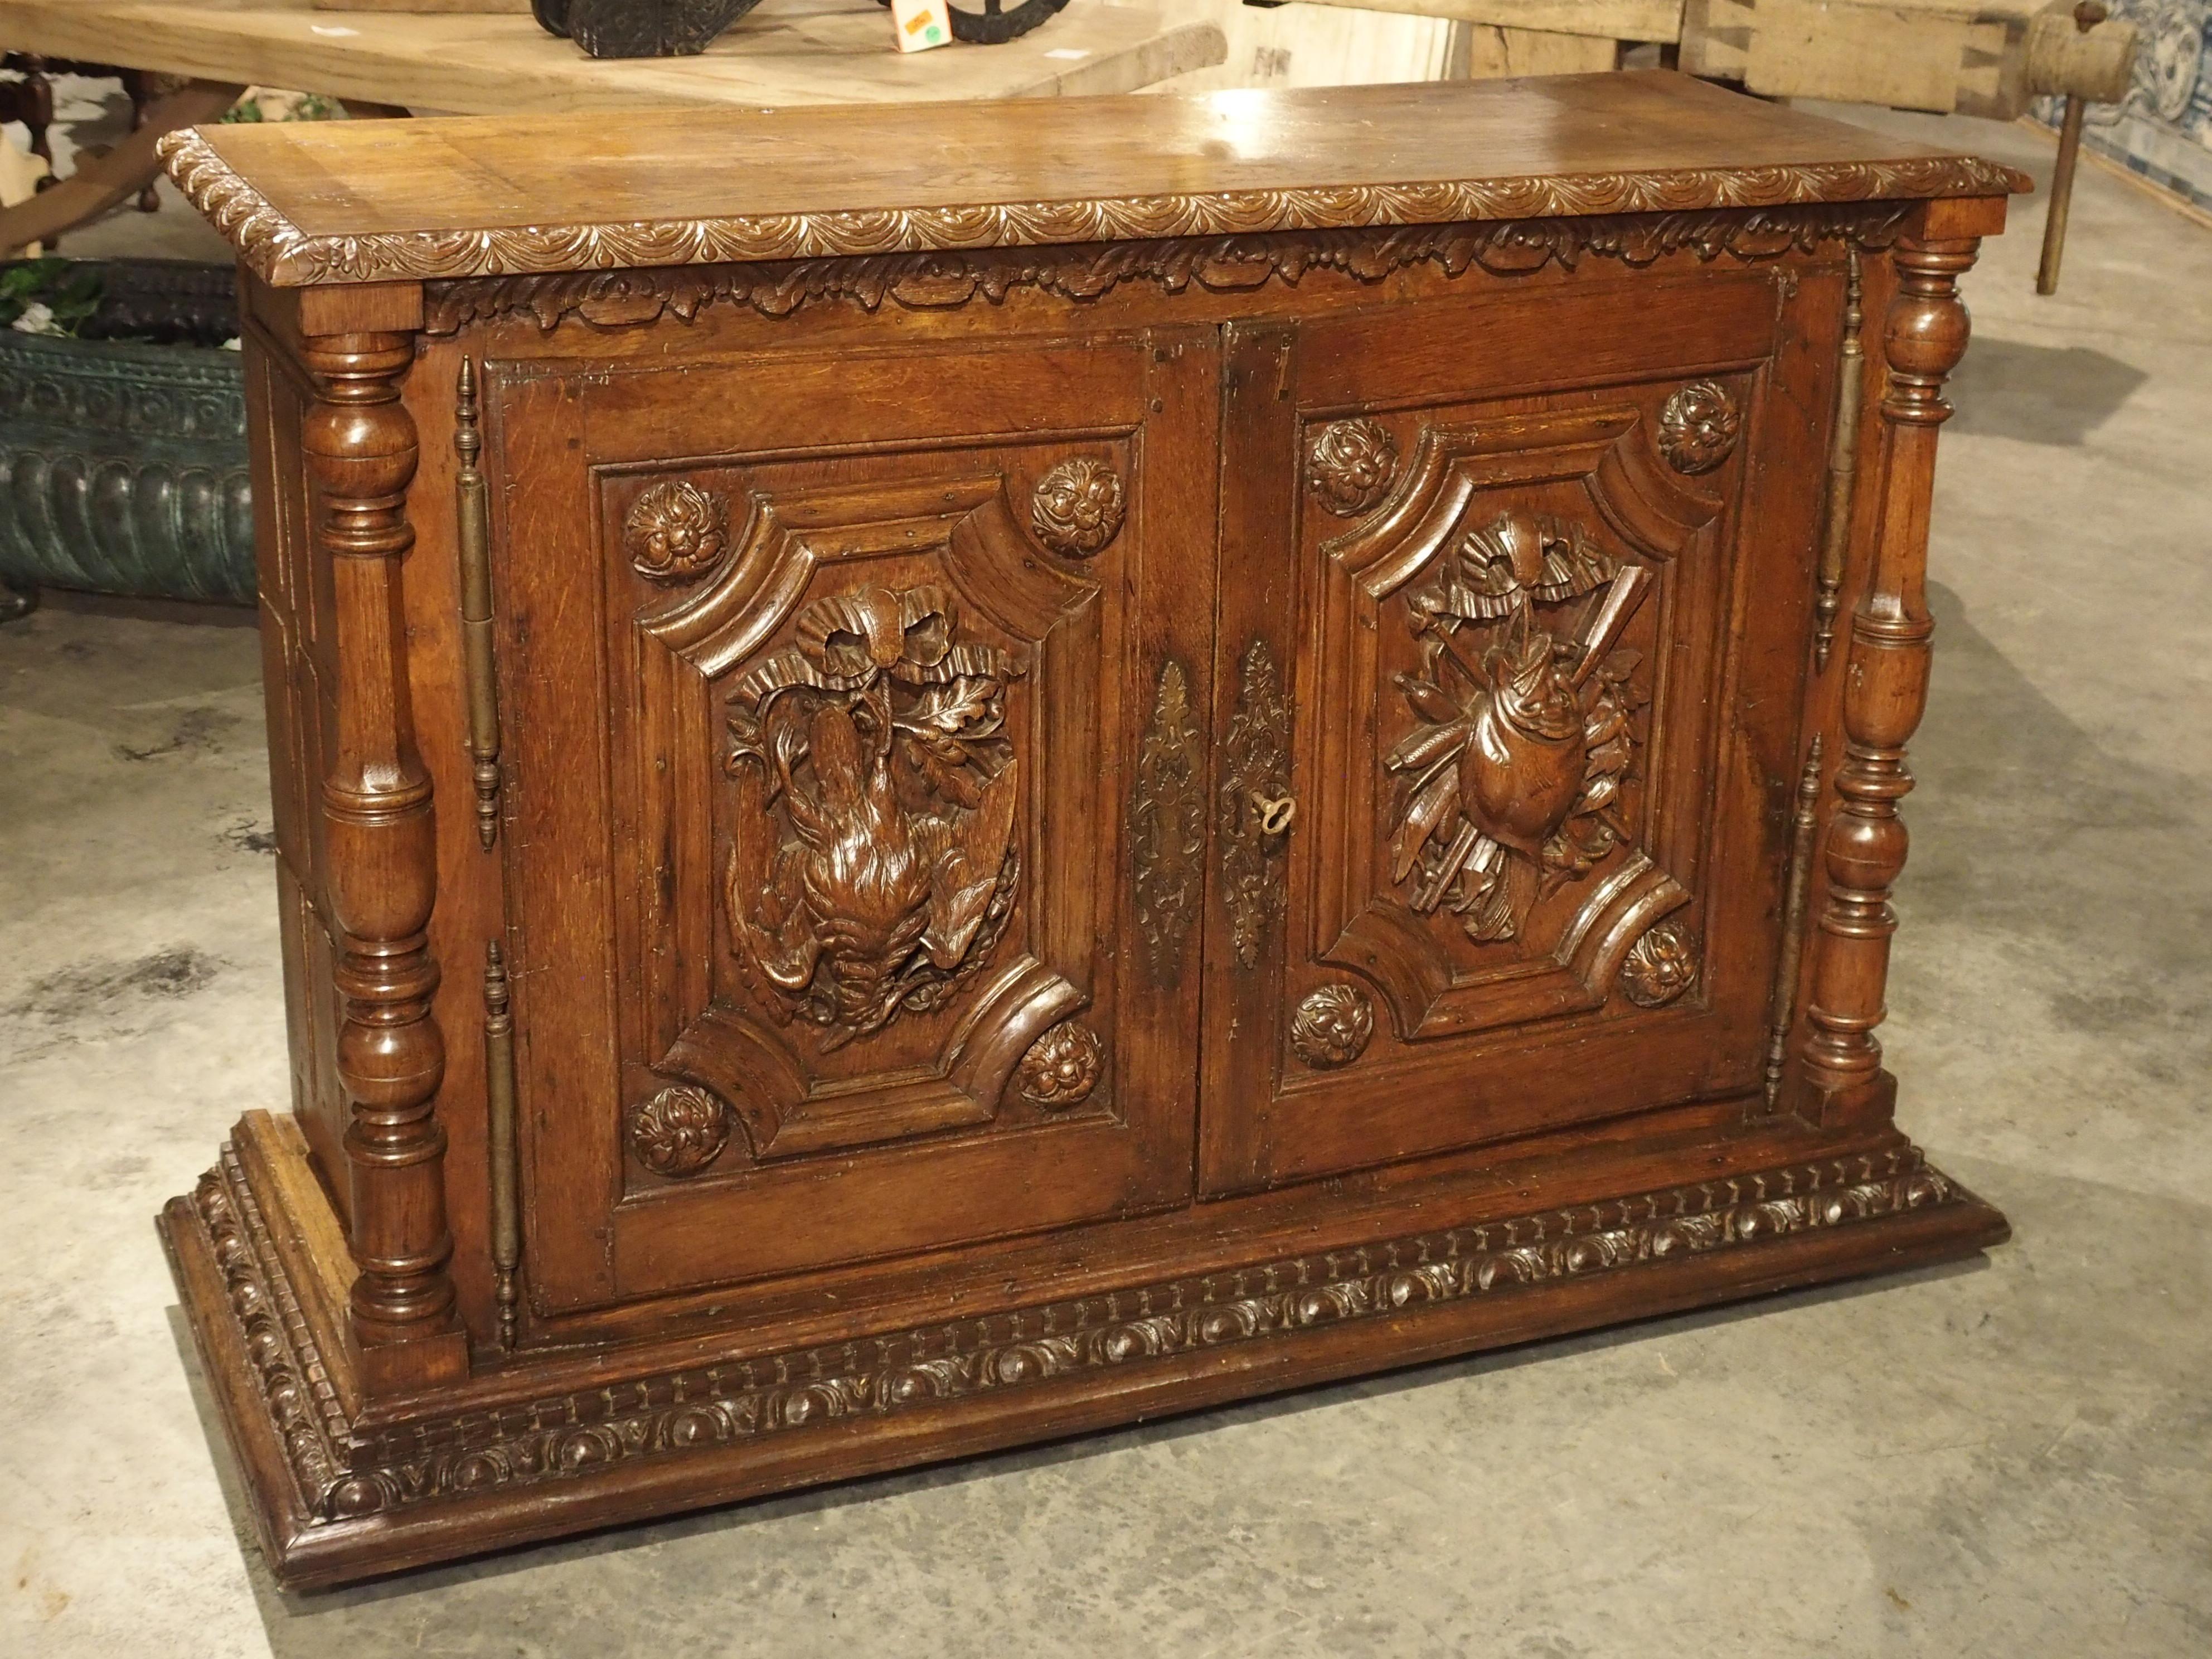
(871, 208)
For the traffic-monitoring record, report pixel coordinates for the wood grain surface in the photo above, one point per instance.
(310, 202)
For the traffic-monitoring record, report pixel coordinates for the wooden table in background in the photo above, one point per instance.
(789, 52)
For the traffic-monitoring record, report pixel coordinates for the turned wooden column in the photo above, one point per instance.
(380, 842)
(1886, 685)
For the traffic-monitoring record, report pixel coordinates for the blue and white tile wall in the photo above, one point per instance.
(2163, 130)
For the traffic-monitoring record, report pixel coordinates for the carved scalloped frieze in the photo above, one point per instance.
(668, 1414)
(280, 252)
(942, 281)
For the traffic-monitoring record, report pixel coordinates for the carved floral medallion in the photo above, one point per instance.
(1332, 1026)
(676, 530)
(1699, 427)
(1077, 507)
(1509, 782)
(1061, 1067)
(1350, 465)
(1660, 966)
(873, 867)
(679, 1131)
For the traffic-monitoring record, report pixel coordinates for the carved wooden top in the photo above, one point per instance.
(307, 204)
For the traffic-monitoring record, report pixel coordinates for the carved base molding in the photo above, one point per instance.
(337, 1500)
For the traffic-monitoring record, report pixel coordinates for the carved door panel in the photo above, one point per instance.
(1507, 678)
(822, 809)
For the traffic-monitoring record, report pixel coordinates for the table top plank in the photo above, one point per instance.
(367, 201)
(786, 53)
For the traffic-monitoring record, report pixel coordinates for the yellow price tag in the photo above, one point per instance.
(918, 24)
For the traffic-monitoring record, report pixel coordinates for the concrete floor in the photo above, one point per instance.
(2013, 1459)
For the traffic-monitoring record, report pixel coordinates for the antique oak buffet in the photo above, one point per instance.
(938, 791)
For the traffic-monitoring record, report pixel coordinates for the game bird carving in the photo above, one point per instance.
(873, 867)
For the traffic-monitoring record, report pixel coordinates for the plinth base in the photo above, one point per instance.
(541, 1448)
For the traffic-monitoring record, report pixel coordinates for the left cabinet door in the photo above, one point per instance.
(850, 700)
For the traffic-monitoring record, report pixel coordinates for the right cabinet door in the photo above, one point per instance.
(1511, 651)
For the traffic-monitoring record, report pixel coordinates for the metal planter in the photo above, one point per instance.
(122, 465)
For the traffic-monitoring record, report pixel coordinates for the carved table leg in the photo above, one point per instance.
(1886, 687)
(101, 183)
(380, 836)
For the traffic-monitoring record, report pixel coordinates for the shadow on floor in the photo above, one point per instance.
(2027, 825)
(2037, 394)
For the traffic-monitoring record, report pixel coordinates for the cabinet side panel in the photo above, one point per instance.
(295, 669)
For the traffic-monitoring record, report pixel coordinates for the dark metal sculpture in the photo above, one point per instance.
(679, 29)
(640, 28)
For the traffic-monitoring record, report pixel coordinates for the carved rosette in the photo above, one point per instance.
(1062, 1066)
(1077, 508)
(676, 530)
(1699, 427)
(1351, 465)
(874, 864)
(1332, 1026)
(680, 1131)
(1660, 966)
(1511, 779)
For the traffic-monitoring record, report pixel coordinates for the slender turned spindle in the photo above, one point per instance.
(380, 839)
(474, 550)
(1843, 471)
(1885, 683)
(1791, 963)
